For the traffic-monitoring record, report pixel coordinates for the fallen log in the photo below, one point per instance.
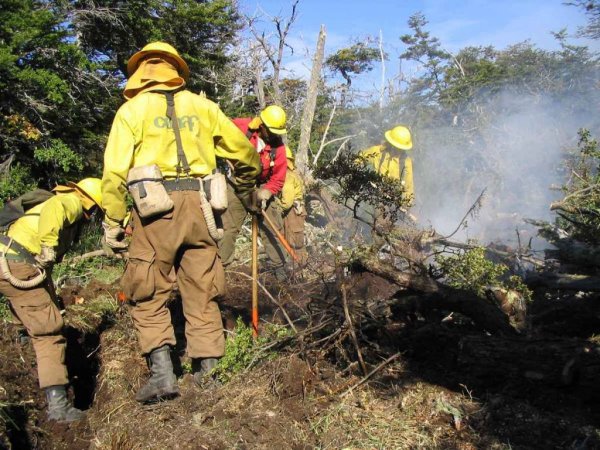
(509, 256)
(563, 281)
(483, 313)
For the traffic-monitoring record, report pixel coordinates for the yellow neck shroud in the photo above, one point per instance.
(153, 74)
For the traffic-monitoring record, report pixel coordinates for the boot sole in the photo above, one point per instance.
(64, 420)
(162, 394)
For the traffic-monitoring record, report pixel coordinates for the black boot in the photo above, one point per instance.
(162, 383)
(202, 368)
(59, 408)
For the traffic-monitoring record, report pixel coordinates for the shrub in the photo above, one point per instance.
(472, 271)
(242, 351)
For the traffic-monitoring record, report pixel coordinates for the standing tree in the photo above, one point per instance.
(427, 51)
(55, 103)
(200, 31)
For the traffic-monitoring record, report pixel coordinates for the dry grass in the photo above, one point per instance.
(88, 316)
(406, 417)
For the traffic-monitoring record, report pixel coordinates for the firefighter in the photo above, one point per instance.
(30, 247)
(292, 205)
(175, 134)
(265, 134)
(391, 159)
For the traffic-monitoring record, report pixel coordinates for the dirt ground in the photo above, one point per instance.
(423, 392)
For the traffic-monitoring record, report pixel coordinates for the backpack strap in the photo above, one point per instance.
(272, 155)
(182, 162)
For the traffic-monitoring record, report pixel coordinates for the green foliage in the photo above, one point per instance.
(579, 211)
(54, 103)
(359, 185)
(59, 156)
(16, 182)
(592, 11)
(84, 270)
(62, 65)
(426, 50)
(353, 60)
(472, 271)
(101, 268)
(200, 31)
(242, 350)
(516, 283)
(5, 314)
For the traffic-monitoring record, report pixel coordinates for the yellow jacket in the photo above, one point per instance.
(392, 163)
(141, 134)
(50, 223)
(293, 189)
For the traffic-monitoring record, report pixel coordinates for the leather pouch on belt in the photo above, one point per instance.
(145, 184)
(138, 281)
(216, 186)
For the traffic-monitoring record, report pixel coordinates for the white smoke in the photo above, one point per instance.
(515, 151)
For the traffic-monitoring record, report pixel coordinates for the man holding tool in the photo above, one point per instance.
(264, 133)
(28, 250)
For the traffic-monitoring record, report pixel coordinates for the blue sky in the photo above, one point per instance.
(456, 23)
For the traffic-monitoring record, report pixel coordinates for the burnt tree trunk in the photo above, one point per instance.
(482, 312)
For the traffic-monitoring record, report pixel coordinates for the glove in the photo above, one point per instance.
(114, 237)
(250, 201)
(46, 258)
(263, 196)
(298, 207)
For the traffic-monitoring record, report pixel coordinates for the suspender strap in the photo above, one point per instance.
(182, 163)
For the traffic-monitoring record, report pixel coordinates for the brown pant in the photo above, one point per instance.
(233, 219)
(40, 316)
(177, 239)
(293, 225)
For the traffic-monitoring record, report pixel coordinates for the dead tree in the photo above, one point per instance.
(274, 54)
(309, 106)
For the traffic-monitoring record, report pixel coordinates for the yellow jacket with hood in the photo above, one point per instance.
(392, 163)
(50, 223)
(141, 135)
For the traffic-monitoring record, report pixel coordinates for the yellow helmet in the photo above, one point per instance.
(274, 119)
(91, 188)
(159, 48)
(399, 137)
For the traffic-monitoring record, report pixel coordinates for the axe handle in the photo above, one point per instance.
(280, 236)
(254, 275)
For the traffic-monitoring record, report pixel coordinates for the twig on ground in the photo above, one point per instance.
(371, 373)
(352, 331)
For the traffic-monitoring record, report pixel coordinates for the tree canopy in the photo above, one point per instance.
(62, 67)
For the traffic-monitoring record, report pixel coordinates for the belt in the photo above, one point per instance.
(22, 253)
(182, 184)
